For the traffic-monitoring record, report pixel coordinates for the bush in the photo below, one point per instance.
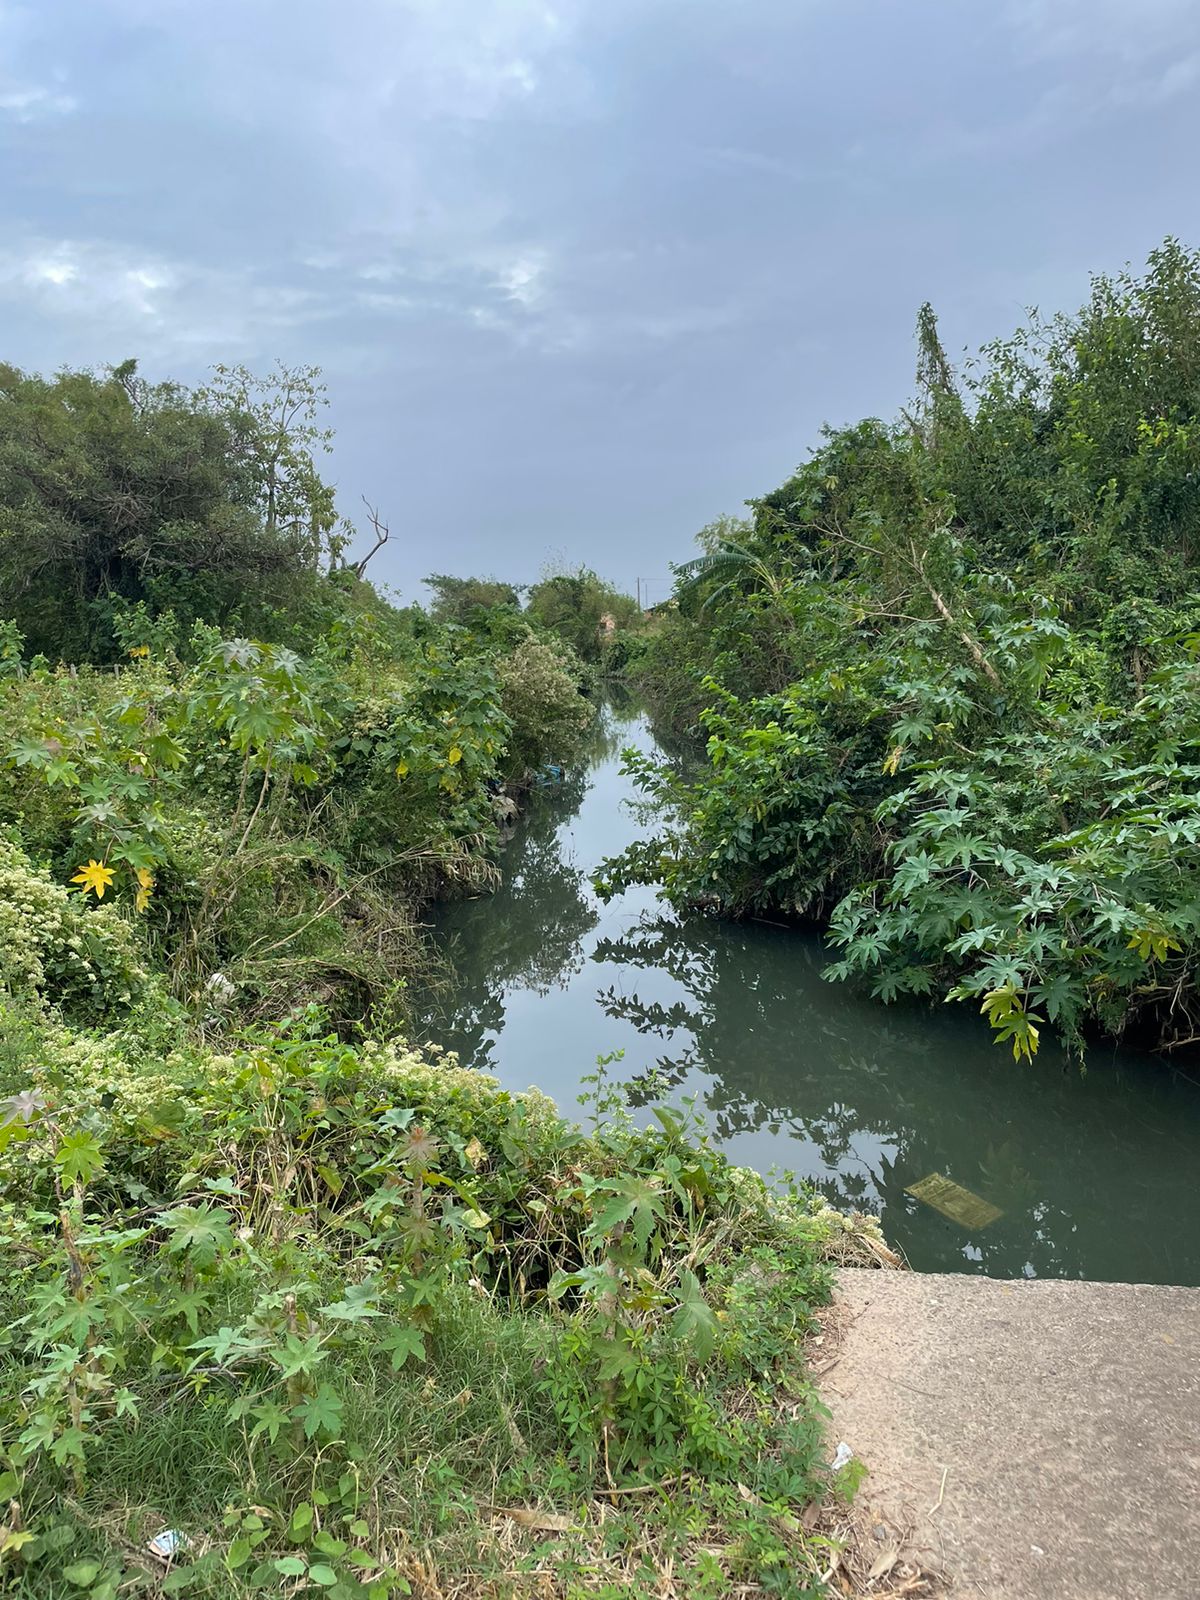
(541, 699)
(945, 682)
(313, 1306)
(381, 1289)
(574, 605)
(207, 504)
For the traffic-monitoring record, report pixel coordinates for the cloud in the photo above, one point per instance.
(170, 307)
(522, 279)
(74, 279)
(1085, 67)
(1127, 30)
(525, 236)
(31, 90)
(404, 59)
(1157, 87)
(111, 295)
(33, 103)
(472, 58)
(468, 282)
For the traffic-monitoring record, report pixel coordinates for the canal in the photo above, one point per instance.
(1080, 1174)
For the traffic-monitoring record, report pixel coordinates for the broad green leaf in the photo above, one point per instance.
(320, 1412)
(78, 1157)
(694, 1320)
(202, 1232)
(403, 1342)
(82, 1573)
(239, 1553)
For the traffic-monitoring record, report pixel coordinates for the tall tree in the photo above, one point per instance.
(276, 421)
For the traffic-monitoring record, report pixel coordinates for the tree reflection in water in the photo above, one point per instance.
(529, 935)
(532, 934)
(881, 1098)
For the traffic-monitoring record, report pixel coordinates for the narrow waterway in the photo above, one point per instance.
(1091, 1175)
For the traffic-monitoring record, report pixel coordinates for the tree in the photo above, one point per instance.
(456, 599)
(726, 564)
(974, 756)
(275, 420)
(575, 605)
(115, 491)
(935, 380)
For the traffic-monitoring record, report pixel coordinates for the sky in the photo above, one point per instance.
(581, 275)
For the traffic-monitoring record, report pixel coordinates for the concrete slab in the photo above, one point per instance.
(1065, 1418)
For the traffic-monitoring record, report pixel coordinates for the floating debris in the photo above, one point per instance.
(953, 1201)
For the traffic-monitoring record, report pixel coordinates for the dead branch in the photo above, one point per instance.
(947, 616)
(382, 535)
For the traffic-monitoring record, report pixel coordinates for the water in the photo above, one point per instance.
(1094, 1175)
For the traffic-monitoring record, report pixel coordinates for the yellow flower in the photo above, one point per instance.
(140, 650)
(95, 877)
(145, 886)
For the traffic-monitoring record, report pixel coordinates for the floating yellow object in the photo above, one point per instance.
(953, 1201)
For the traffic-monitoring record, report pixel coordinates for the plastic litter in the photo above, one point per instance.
(841, 1456)
(167, 1544)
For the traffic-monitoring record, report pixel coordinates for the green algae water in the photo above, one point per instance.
(1087, 1175)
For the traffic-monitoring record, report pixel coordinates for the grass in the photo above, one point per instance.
(461, 1479)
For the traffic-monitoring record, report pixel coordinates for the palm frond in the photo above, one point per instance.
(727, 564)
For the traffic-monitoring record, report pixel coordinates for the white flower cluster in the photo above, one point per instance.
(55, 948)
(430, 1073)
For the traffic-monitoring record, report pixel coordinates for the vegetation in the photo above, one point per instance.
(946, 677)
(462, 599)
(115, 491)
(575, 606)
(272, 817)
(289, 1306)
(604, 627)
(356, 1321)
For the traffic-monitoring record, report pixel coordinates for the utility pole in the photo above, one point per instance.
(639, 593)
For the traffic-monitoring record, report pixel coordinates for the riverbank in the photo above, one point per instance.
(1030, 1440)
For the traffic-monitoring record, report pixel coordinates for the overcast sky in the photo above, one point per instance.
(581, 274)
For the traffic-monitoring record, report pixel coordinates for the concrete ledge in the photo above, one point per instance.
(1064, 1416)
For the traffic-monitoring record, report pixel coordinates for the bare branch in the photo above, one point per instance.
(382, 535)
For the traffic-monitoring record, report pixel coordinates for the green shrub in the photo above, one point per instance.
(944, 678)
(545, 709)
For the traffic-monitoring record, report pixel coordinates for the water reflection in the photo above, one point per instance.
(1092, 1174)
(530, 936)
